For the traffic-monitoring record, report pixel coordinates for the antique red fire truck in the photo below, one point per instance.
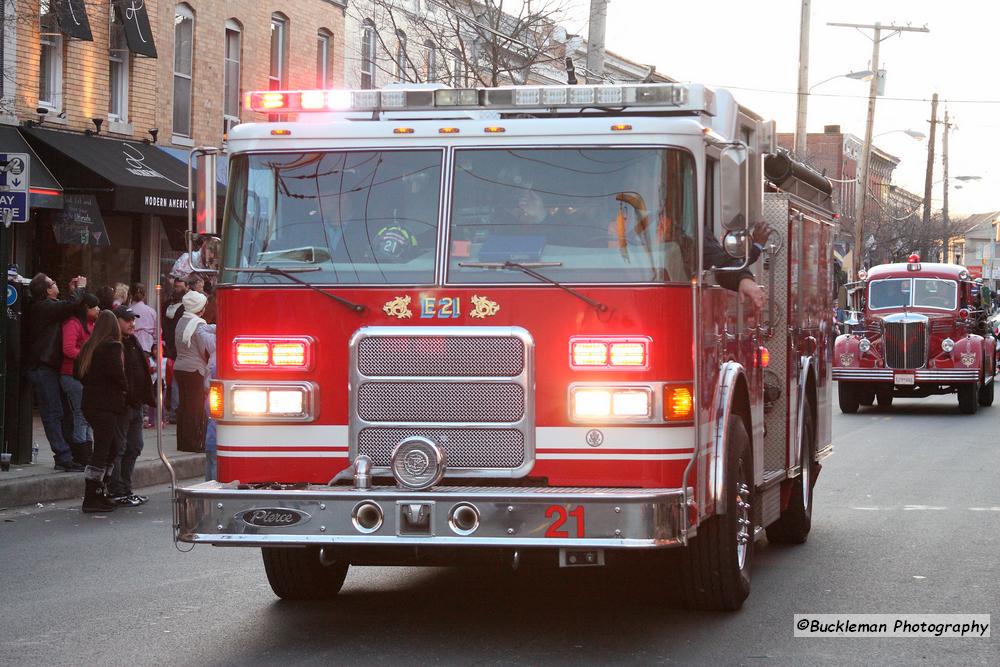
(479, 322)
(921, 332)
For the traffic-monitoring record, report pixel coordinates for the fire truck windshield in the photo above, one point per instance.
(581, 215)
(609, 215)
(355, 216)
(915, 292)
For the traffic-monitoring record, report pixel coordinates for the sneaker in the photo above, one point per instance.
(71, 466)
(126, 501)
(142, 499)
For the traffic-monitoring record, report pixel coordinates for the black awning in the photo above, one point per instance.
(139, 177)
(138, 34)
(72, 18)
(44, 190)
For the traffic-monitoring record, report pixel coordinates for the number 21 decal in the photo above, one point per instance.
(561, 516)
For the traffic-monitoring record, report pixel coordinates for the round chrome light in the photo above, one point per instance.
(862, 274)
(864, 345)
(417, 463)
(947, 345)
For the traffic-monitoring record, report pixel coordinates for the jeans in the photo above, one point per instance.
(46, 383)
(174, 400)
(73, 389)
(129, 447)
(211, 469)
(191, 411)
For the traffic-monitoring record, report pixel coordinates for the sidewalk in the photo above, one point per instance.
(40, 483)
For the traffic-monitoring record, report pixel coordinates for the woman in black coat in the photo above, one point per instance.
(101, 368)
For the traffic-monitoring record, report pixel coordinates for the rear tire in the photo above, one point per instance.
(968, 398)
(847, 395)
(866, 395)
(884, 397)
(715, 566)
(986, 394)
(792, 527)
(300, 574)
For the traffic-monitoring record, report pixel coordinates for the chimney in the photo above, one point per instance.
(831, 129)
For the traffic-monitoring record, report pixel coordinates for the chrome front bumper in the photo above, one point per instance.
(218, 514)
(923, 375)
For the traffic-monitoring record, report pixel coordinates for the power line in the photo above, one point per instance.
(854, 97)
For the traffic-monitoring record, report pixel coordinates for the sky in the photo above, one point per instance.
(752, 48)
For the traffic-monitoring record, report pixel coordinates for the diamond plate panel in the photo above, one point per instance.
(776, 280)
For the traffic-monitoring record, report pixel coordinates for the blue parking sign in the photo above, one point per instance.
(14, 184)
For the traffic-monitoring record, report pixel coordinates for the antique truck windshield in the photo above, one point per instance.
(605, 215)
(913, 292)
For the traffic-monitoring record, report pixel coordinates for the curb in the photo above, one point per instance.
(63, 485)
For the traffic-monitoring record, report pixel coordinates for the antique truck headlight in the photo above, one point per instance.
(947, 345)
(864, 345)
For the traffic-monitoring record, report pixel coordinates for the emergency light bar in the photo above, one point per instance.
(675, 96)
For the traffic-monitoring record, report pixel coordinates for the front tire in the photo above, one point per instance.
(847, 395)
(792, 527)
(986, 394)
(715, 566)
(968, 398)
(301, 573)
(866, 395)
(884, 397)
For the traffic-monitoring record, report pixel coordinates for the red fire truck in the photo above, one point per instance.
(921, 332)
(460, 322)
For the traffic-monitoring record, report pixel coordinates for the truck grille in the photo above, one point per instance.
(905, 341)
(468, 389)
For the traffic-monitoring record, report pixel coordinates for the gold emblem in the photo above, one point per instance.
(483, 307)
(398, 307)
(968, 358)
(846, 359)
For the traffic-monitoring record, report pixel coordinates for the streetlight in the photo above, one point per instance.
(801, 136)
(863, 75)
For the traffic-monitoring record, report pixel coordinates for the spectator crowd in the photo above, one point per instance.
(91, 360)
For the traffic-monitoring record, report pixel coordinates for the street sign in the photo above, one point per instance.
(14, 182)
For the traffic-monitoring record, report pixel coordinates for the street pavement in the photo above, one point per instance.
(907, 520)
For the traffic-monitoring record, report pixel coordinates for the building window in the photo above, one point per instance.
(430, 75)
(231, 73)
(324, 58)
(400, 55)
(368, 54)
(457, 68)
(118, 65)
(279, 52)
(50, 66)
(183, 69)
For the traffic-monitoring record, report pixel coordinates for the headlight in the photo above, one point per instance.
(947, 345)
(610, 403)
(864, 345)
(283, 403)
(250, 402)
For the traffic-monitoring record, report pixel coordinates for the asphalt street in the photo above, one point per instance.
(907, 520)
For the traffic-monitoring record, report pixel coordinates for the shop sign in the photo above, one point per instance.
(80, 222)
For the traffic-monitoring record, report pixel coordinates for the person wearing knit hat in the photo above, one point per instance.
(195, 339)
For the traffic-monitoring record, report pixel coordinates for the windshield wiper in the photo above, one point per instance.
(529, 268)
(289, 273)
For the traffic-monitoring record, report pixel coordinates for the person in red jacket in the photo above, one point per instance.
(75, 332)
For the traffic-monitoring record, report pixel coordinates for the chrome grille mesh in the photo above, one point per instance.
(440, 356)
(464, 448)
(440, 402)
(905, 344)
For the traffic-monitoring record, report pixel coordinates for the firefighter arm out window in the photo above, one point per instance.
(586, 215)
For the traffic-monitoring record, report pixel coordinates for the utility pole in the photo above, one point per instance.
(929, 178)
(595, 41)
(861, 190)
(801, 133)
(946, 236)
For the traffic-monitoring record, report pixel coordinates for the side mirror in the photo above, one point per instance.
(202, 187)
(733, 164)
(735, 243)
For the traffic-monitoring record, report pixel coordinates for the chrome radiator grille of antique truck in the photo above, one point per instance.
(468, 389)
(905, 337)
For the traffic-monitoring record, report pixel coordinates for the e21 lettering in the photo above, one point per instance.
(444, 308)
